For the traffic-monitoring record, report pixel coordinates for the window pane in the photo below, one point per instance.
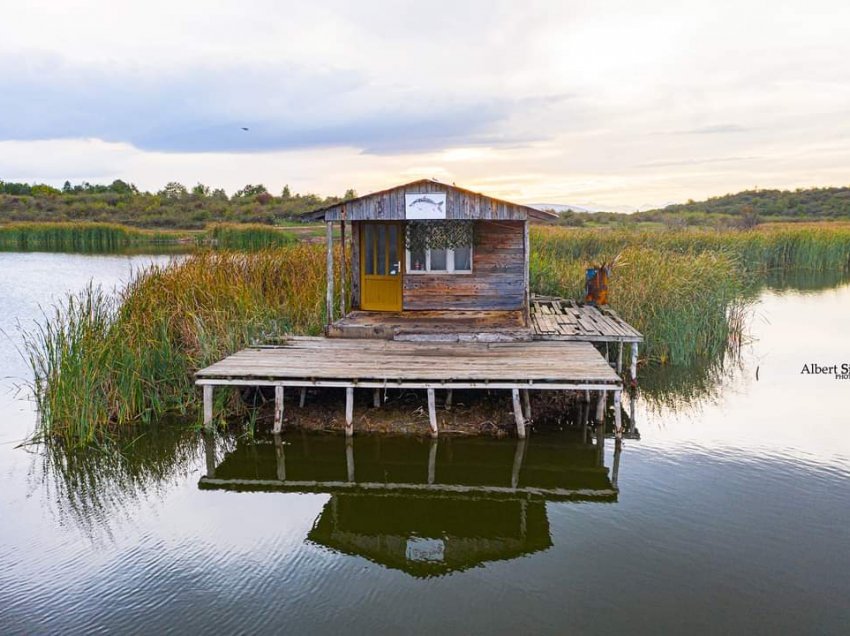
(381, 265)
(395, 266)
(463, 259)
(417, 261)
(438, 260)
(369, 244)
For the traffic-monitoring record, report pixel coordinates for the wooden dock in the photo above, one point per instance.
(302, 362)
(560, 319)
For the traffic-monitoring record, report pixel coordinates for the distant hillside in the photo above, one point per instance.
(812, 203)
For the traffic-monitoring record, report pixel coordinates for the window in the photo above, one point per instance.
(444, 261)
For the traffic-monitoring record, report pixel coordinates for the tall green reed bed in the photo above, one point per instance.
(103, 361)
(686, 290)
(76, 237)
(246, 236)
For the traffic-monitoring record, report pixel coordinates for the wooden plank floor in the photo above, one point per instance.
(303, 361)
(561, 319)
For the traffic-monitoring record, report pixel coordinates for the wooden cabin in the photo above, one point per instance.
(427, 257)
(443, 273)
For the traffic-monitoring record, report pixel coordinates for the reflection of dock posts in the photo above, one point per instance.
(281, 457)
(208, 406)
(600, 443)
(432, 462)
(432, 412)
(209, 452)
(520, 420)
(615, 468)
(349, 411)
(278, 408)
(618, 414)
(349, 459)
(519, 457)
(632, 400)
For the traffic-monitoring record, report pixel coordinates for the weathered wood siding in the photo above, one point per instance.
(388, 205)
(497, 280)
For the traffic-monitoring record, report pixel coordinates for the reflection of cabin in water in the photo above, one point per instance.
(429, 289)
(425, 508)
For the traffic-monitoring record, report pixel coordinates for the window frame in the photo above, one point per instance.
(450, 264)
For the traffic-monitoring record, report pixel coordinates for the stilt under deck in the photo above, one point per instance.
(374, 364)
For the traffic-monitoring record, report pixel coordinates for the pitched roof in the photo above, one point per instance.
(389, 205)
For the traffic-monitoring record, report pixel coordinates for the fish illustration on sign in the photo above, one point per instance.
(425, 206)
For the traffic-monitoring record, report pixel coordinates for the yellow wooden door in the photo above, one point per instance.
(381, 265)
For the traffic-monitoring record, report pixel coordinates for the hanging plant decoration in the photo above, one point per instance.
(438, 235)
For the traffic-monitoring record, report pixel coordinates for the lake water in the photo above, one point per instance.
(731, 513)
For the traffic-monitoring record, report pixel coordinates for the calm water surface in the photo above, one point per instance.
(730, 514)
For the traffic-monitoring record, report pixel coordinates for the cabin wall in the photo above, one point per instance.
(497, 281)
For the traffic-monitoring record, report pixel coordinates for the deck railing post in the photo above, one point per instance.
(329, 300)
(520, 420)
(349, 411)
(432, 412)
(302, 397)
(600, 406)
(634, 362)
(448, 399)
(526, 405)
(278, 409)
(208, 406)
(619, 357)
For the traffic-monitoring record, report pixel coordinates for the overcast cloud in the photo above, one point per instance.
(612, 103)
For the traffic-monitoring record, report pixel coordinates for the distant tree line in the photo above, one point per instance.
(744, 209)
(174, 206)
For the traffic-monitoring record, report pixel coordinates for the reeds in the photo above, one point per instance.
(246, 236)
(76, 237)
(101, 361)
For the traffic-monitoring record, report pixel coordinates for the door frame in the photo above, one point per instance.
(400, 251)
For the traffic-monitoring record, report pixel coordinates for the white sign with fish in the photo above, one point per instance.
(425, 206)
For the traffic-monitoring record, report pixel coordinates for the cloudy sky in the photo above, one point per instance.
(613, 104)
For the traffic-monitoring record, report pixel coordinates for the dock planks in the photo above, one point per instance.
(561, 319)
(347, 362)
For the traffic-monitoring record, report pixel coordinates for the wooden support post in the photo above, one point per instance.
(376, 398)
(342, 269)
(526, 249)
(632, 423)
(520, 420)
(302, 397)
(634, 362)
(349, 411)
(329, 297)
(208, 407)
(432, 413)
(600, 406)
(618, 414)
(448, 399)
(620, 357)
(278, 409)
(349, 459)
(526, 405)
(432, 462)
